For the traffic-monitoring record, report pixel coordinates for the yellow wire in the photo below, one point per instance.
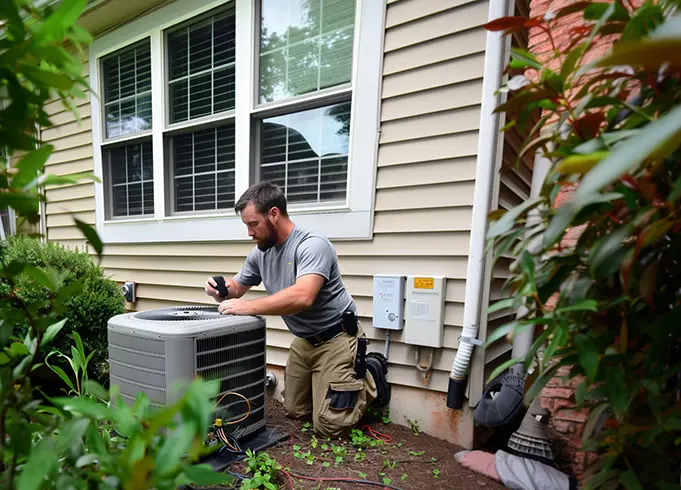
(248, 403)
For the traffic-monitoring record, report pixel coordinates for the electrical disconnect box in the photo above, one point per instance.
(425, 311)
(388, 303)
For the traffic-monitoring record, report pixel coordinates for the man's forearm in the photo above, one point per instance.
(286, 302)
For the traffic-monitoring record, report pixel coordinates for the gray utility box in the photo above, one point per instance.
(154, 350)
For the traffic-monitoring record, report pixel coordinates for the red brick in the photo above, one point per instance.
(570, 414)
(564, 426)
(564, 393)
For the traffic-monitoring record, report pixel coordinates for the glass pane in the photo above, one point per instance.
(224, 38)
(273, 75)
(274, 140)
(127, 91)
(118, 166)
(336, 58)
(120, 200)
(148, 189)
(184, 195)
(202, 160)
(226, 190)
(301, 181)
(204, 151)
(306, 153)
(147, 161)
(134, 199)
(130, 165)
(333, 179)
(223, 89)
(226, 153)
(134, 161)
(183, 154)
(204, 189)
(179, 101)
(178, 45)
(200, 46)
(305, 46)
(200, 100)
(201, 79)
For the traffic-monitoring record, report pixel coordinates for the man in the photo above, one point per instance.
(328, 375)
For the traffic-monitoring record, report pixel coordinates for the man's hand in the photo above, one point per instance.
(211, 288)
(236, 307)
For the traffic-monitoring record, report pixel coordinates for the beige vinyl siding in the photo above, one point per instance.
(430, 114)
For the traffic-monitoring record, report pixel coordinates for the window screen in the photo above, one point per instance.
(306, 153)
(203, 174)
(305, 46)
(127, 91)
(132, 185)
(201, 67)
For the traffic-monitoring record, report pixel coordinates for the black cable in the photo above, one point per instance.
(346, 480)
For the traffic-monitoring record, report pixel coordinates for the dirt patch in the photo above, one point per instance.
(386, 453)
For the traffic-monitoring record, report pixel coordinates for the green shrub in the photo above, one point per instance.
(88, 310)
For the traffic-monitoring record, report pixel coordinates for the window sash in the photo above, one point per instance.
(354, 214)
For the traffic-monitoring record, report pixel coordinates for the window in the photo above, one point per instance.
(201, 101)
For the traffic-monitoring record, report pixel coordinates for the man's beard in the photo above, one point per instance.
(271, 239)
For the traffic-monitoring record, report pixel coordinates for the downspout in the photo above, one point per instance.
(496, 54)
(522, 341)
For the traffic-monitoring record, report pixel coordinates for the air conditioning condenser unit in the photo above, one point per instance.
(151, 351)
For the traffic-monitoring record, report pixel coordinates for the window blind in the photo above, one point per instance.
(132, 180)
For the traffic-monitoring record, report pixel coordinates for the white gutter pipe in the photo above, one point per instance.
(496, 56)
(522, 341)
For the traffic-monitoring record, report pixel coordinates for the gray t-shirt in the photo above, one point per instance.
(303, 252)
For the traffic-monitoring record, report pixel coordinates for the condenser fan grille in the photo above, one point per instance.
(180, 313)
(238, 360)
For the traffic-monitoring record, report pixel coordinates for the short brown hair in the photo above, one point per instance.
(264, 196)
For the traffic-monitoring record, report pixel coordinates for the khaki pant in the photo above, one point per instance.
(321, 381)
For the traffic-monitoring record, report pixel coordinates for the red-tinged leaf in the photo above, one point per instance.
(572, 9)
(506, 23)
(534, 22)
(588, 125)
(648, 282)
(648, 190)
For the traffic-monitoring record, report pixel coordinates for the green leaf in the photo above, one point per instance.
(52, 331)
(42, 461)
(506, 222)
(571, 60)
(630, 480)
(51, 179)
(540, 383)
(18, 349)
(596, 10)
(501, 305)
(60, 372)
(205, 475)
(584, 305)
(174, 448)
(49, 78)
(525, 59)
(581, 164)
(603, 255)
(90, 235)
(72, 434)
(86, 460)
(94, 388)
(85, 407)
(588, 355)
(64, 16)
(594, 416)
(30, 164)
(646, 53)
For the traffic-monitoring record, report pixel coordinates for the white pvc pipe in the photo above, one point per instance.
(496, 54)
(522, 341)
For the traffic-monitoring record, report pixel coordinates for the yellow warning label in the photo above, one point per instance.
(424, 283)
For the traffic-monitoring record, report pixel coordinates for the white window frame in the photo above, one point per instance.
(353, 220)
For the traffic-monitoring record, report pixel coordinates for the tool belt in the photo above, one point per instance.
(349, 325)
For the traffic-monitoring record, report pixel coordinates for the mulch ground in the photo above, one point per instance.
(386, 453)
